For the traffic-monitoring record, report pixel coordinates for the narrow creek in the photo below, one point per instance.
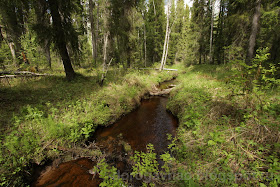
(149, 123)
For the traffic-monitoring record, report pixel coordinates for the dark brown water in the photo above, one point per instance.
(73, 173)
(149, 123)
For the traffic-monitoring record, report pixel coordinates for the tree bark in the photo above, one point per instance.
(92, 30)
(60, 39)
(254, 32)
(275, 48)
(145, 46)
(13, 51)
(96, 31)
(10, 44)
(211, 32)
(166, 41)
(164, 47)
(47, 52)
(106, 35)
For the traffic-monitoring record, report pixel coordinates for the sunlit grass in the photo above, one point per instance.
(53, 114)
(221, 132)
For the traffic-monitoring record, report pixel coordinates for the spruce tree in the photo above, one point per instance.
(12, 14)
(155, 30)
(61, 28)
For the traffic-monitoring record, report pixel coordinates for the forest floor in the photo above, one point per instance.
(226, 137)
(44, 118)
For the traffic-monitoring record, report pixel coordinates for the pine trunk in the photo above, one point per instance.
(60, 39)
(92, 30)
(96, 32)
(48, 53)
(254, 32)
(145, 46)
(211, 32)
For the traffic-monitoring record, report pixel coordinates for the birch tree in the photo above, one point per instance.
(106, 33)
(212, 9)
(167, 36)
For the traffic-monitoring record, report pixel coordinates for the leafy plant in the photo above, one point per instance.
(88, 128)
(108, 174)
(260, 74)
(145, 163)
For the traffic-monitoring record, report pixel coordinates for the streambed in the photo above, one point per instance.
(149, 123)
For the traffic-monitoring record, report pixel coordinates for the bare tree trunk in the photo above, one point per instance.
(164, 48)
(166, 40)
(145, 46)
(96, 31)
(92, 30)
(154, 7)
(106, 35)
(48, 53)
(60, 37)
(254, 32)
(167, 45)
(211, 33)
(10, 44)
(13, 51)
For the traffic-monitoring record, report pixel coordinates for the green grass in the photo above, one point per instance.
(223, 133)
(44, 116)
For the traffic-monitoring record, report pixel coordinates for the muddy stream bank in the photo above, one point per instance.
(149, 123)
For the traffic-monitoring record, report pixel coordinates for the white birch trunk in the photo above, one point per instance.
(166, 40)
(104, 68)
(145, 46)
(106, 35)
(13, 51)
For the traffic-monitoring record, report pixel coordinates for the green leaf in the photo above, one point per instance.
(211, 143)
(262, 185)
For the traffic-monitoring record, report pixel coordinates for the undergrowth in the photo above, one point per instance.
(227, 136)
(46, 117)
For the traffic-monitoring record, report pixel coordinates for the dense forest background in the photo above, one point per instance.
(132, 33)
(224, 54)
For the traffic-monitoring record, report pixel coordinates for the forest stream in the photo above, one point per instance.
(149, 123)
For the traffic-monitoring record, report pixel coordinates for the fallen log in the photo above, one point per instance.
(158, 69)
(5, 72)
(161, 92)
(23, 75)
(170, 69)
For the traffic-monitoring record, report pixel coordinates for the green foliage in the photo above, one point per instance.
(88, 129)
(108, 175)
(167, 159)
(155, 23)
(274, 169)
(53, 112)
(5, 55)
(259, 76)
(145, 163)
(226, 141)
(31, 49)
